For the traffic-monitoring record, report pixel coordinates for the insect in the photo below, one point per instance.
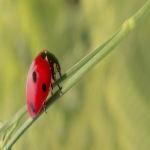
(39, 81)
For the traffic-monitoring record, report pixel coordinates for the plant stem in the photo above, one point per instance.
(14, 119)
(86, 64)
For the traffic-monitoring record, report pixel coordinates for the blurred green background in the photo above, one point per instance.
(109, 109)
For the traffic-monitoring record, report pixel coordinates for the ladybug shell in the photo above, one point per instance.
(38, 84)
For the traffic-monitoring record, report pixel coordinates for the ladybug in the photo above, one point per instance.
(39, 81)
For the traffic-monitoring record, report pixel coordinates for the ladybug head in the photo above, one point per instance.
(53, 62)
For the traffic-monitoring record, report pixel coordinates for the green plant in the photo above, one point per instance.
(72, 76)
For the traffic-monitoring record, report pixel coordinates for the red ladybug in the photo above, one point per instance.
(39, 81)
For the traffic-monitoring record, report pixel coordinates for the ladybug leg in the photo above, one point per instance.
(58, 87)
(59, 74)
(58, 70)
(54, 78)
(51, 90)
(44, 106)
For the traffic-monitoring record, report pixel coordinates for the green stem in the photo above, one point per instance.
(86, 64)
(83, 61)
(14, 119)
(125, 29)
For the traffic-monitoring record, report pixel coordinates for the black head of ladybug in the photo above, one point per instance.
(53, 62)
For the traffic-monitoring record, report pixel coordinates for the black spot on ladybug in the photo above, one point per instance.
(32, 107)
(34, 76)
(44, 87)
(43, 54)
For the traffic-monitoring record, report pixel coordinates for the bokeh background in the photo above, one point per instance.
(109, 109)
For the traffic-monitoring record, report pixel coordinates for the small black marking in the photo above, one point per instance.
(43, 54)
(34, 76)
(32, 107)
(44, 87)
